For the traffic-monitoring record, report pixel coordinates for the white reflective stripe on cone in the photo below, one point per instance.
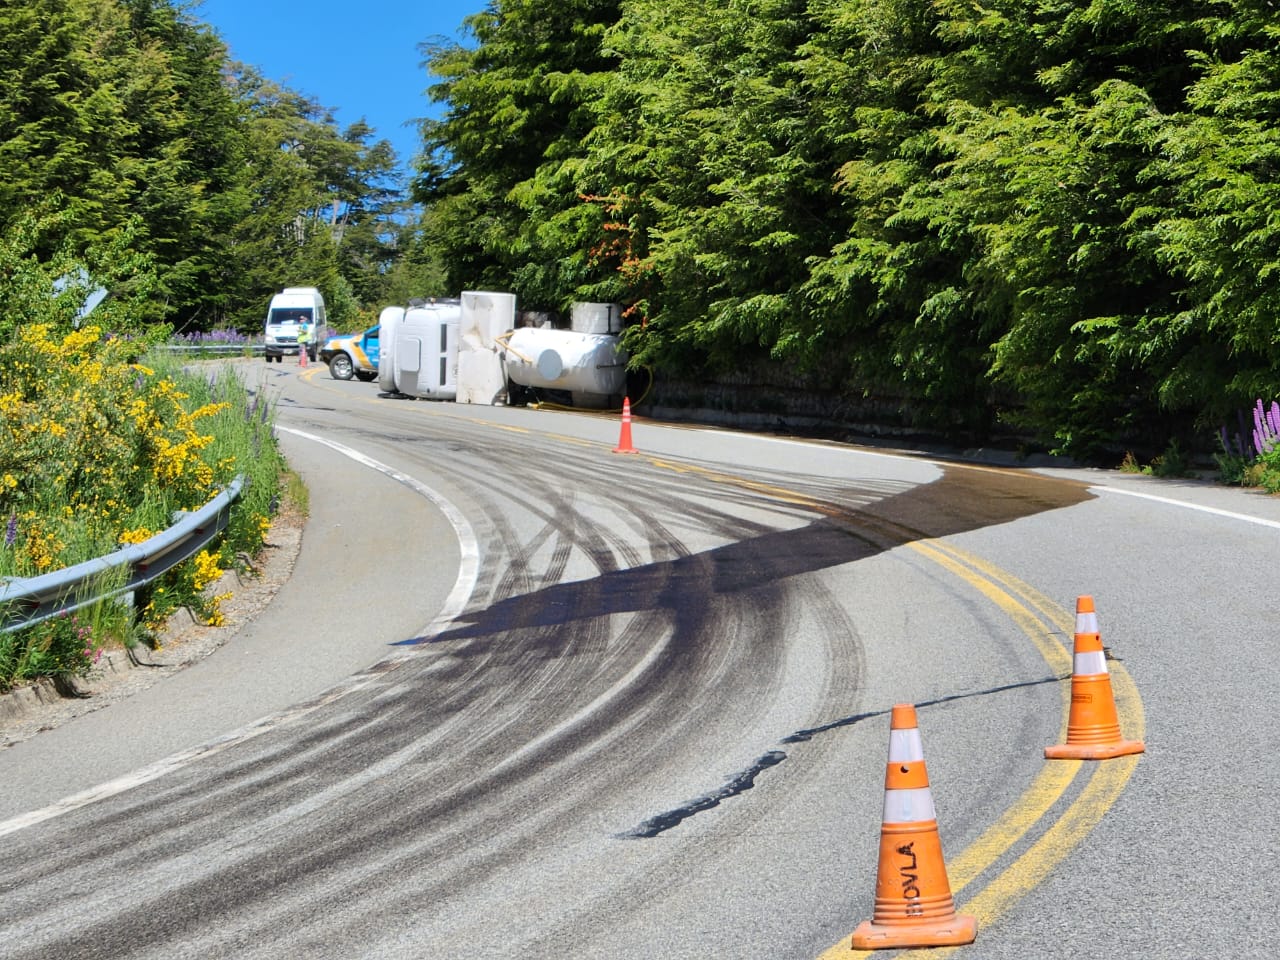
(905, 746)
(1090, 664)
(1086, 622)
(909, 806)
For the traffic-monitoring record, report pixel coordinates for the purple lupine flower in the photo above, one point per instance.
(11, 530)
(1266, 427)
(1247, 450)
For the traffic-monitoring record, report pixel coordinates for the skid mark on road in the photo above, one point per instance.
(1044, 623)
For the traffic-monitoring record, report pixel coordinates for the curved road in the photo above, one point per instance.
(528, 697)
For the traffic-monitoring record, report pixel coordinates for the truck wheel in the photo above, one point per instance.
(340, 367)
(366, 376)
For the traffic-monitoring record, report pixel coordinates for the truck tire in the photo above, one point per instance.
(366, 376)
(340, 367)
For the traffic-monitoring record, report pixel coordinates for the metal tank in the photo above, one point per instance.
(587, 365)
(388, 323)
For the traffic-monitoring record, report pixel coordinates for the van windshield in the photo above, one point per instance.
(285, 315)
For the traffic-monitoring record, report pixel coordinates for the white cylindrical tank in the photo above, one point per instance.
(565, 360)
(426, 351)
(388, 323)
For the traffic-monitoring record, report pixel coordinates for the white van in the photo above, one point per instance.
(289, 308)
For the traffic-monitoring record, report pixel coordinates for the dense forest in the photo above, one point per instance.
(126, 119)
(1053, 220)
(1060, 217)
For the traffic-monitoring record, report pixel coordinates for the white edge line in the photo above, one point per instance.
(468, 572)
(1186, 505)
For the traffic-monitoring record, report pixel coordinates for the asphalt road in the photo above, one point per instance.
(526, 696)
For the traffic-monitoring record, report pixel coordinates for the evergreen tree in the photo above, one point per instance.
(499, 171)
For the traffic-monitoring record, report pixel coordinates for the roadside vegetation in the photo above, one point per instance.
(1054, 220)
(102, 440)
(1046, 224)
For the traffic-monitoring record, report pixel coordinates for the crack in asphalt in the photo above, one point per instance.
(745, 780)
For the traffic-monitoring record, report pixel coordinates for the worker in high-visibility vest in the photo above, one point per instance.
(304, 338)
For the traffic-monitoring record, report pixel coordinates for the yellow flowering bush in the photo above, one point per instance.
(99, 450)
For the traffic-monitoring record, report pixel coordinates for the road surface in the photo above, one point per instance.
(526, 696)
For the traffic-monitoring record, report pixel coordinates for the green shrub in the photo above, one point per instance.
(101, 450)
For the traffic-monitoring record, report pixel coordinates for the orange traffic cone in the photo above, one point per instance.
(624, 439)
(913, 905)
(1093, 728)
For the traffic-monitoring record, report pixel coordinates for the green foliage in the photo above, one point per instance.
(1265, 472)
(1049, 216)
(1172, 463)
(101, 449)
(126, 120)
(317, 207)
(1232, 469)
(66, 646)
(102, 452)
(499, 172)
(56, 289)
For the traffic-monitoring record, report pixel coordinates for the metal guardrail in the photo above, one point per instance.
(27, 601)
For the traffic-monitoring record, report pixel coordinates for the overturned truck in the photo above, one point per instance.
(471, 350)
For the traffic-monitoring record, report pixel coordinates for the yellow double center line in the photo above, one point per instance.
(1030, 611)
(1043, 622)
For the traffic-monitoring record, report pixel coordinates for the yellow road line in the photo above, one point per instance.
(1107, 781)
(1055, 655)
(1036, 616)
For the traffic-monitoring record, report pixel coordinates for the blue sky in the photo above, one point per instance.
(361, 59)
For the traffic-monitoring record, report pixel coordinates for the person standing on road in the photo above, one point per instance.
(304, 338)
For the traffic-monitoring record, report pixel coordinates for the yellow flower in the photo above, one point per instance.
(207, 570)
